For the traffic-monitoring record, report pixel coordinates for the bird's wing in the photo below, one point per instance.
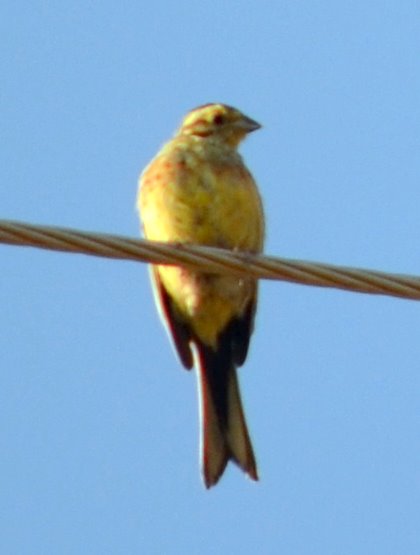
(240, 329)
(178, 330)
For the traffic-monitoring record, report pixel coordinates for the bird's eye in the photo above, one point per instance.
(218, 119)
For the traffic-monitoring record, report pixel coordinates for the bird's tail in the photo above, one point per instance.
(224, 433)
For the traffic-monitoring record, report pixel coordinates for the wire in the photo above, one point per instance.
(210, 260)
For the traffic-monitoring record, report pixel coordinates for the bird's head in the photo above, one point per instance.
(219, 121)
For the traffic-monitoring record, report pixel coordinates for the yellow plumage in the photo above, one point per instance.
(197, 190)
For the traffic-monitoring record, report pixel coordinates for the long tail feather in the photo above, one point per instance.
(224, 434)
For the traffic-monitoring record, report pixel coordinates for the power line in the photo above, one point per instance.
(210, 260)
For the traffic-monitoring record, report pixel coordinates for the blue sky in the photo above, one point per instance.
(98, 422)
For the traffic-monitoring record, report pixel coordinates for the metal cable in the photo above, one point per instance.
(210, 260)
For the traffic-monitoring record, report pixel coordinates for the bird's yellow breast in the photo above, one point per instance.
(200, 192)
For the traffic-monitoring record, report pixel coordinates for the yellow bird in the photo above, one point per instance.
(197, 190)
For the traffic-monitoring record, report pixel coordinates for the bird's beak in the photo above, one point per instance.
(248, 125)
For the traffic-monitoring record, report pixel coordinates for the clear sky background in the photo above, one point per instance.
(98, 422)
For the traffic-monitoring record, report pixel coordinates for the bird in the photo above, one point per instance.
(197, 190)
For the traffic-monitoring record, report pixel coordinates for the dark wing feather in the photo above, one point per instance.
(178, 329)
(240, 330)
